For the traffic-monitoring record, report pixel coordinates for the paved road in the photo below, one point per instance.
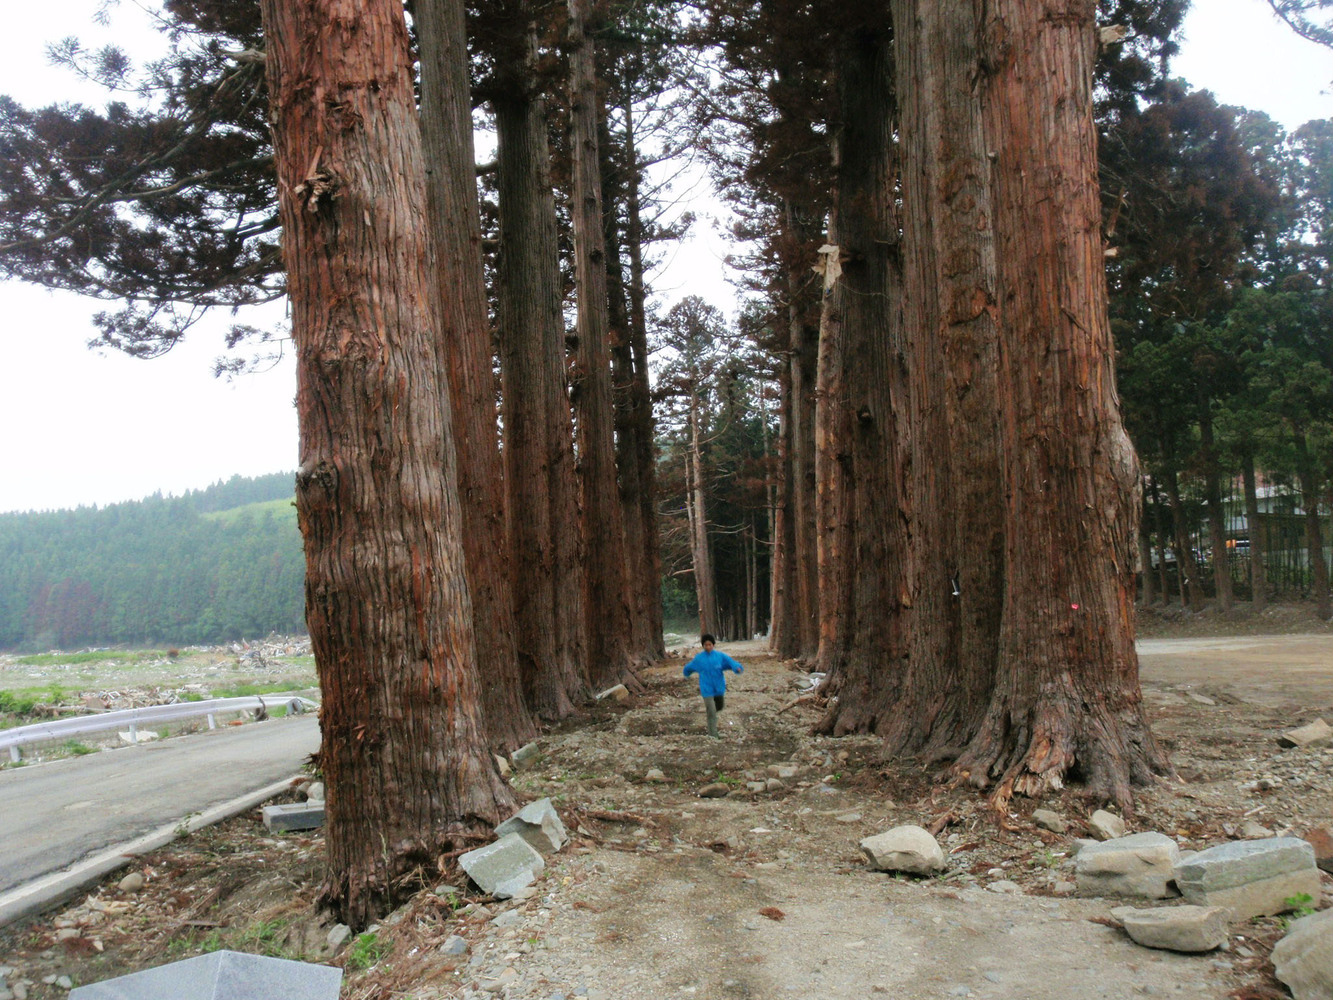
(1278, 671)
(53, 815)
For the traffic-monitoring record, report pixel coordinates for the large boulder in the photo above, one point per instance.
(1176, 928)
(908, 849)
(1139, 867)
(539, 824)
(1251, 877)
(1303, 959)
(504, 867)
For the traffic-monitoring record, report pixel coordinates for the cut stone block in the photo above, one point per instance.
(539, 824)
(1140, 867)
(1176, 928)
(1317, 734)
(524, 754)
(904, 849)
(1303, 959)
(294, 816)
(1250, 877)
(503, 867)
(222, 975)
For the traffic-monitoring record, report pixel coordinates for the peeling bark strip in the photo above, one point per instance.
(1067, 693)
(446, 132)
(404, 752)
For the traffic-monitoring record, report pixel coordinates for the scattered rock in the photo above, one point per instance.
(338, 935)
(1317, 734)
(904, 849)
(539, 824)
(502, 764)
(1251, 877)
(508, 919)
(784, 771)
(774, 785)
(1250, 830)
(524, 754)
(1176, 928)
(503, 867)
(852, 817)
(454, 945)
(1106, 825)
(1045, 819)
(1303, 959)
(1140, 866)
(133, 882)
(1201, 699)
(654, 774)
(756, 786)
(1005, 886)
(315, 793)
(617, 693)
(1062, 888)
(717, 790)
(505, 978)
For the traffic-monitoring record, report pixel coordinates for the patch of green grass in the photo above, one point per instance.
(78, 749)
(366, 950)
(1301, 905)
(192, 696)
(278, 508)
(268, 937)
(244, 690)
(64, 659)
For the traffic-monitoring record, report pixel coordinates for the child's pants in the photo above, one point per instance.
(712, 705)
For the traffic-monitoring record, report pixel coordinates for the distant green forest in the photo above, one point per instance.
(215, 564)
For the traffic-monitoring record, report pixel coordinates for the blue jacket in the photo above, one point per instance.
(709, 667)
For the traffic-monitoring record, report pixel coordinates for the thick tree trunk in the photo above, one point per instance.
(1067, 698)
(404, 750)
(950, 278)
(863, 536)
(804, 359)
(607, 606)
(539, 432)
(446, 127)
(1217, 530)
(1255, 534)
(641, 400)
(782, 627)
(705, 584)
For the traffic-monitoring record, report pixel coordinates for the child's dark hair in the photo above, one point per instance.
(707, 637)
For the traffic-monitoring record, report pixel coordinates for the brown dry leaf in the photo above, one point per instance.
(772, 912)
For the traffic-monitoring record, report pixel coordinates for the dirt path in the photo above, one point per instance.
(760, 894)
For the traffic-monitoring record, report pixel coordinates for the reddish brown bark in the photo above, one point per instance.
(446, 127)
(607, 605)
(404, 750)
(803, 598)
(863, 614)
(539, 446)
(1066, 698)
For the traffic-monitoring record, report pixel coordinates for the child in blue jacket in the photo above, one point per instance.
(709, 665)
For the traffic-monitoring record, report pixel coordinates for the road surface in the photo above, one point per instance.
(53, 815)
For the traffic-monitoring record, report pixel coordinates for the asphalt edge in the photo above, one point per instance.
(49, 890)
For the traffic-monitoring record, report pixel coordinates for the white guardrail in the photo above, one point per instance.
(149, 715)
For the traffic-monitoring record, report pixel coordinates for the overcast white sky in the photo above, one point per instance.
(81, 427)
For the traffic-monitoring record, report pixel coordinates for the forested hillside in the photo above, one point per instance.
(215, 564)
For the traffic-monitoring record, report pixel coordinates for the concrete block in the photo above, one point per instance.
(1140, 866)
(503, 867)
(1250, 877)
(539, 824)
(222, 975)
(294, 816)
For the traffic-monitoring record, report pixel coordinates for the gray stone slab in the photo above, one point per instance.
(221, 975)
(503, 867)
(1177, 928)
(1139, 866)
(539, 824)
(294, 816)
(1251, 877)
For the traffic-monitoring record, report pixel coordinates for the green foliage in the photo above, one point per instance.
(268, 937)
(366, 950)
(1301, 905)
(215, 564)
(78, 749)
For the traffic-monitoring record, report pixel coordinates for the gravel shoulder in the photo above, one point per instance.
(759, 894)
